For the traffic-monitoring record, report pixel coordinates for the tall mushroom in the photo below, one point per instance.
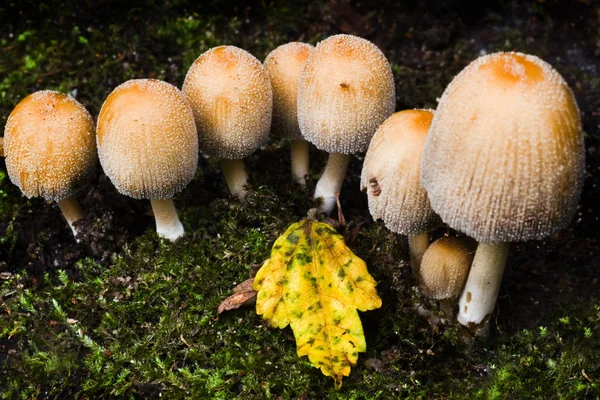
(503, 162)
(50, 149)
(232, 101)
(346, 91)
(444, 270)
(391, 174)
(148, 146)
(285, 65)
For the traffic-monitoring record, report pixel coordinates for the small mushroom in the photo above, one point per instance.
(503, 162)
(285, 65)
(232, 101)
(50, 149)
(148, 146)
(444, 270)
(346, 91)
(391, 174)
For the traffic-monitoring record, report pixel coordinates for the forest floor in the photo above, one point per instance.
(123, 313)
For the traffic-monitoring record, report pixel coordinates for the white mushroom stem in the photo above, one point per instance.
(168, 224)
(72, 212)
(478, 298)
(417, 244)
(235, 176)
(331, 181)
(300, 161)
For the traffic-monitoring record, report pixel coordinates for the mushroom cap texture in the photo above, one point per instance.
(445, 268)
(232, 100)
(49, 145)
(285, 65)
(391, 173)
(147, 139)
(346, 91)
(504, 158)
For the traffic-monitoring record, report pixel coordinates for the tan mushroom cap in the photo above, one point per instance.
(504, 159)
(285, 65)
(147, 140)
(232, 100)
(445, 267)
(391, 173)
(346, 91)
(49, 145)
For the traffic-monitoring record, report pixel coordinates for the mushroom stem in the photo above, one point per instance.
(417, 244)
(478, 298)
(72, 212)
(331, 181)
(300, 161)
(235, 176)
(168, 224)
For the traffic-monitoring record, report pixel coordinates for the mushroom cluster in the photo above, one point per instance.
(501, 159)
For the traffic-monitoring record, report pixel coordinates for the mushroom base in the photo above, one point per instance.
(235, 176)
(72, 212)
(331, 181)
(478, 298)
(168, 224)
(300, 161)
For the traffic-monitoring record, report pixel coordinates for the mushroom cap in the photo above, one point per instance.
(504, 158)
(232, 100)
(391, 173)
(147, 140)
(445, 267)
(284, 66)
(49, 145)
(346, 91)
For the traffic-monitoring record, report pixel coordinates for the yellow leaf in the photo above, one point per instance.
(316, 284)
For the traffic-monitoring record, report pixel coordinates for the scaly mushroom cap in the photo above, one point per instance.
(232, 100)
(504, 159)
(147, 139)
(391, 173)
(346, 91)
(285, 65)
(49, 145)
(445, 267)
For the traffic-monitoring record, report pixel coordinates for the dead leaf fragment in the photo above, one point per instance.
(243, 294)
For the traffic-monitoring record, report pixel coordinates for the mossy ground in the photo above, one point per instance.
(125, 314)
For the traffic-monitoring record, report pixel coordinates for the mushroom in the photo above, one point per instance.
(391, 174)
(148, 146)
(346, 91)
(50, 149)
(444, 270)
(1, 147)
(232, 101)
(284, 66)
(503, 162)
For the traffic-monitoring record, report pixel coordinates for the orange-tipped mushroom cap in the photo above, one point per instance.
(445, 267)
(147, 139)
(232, 100)
(504, 159)
(346, 91)
(391, 174)
(49, 145)
(285, 65)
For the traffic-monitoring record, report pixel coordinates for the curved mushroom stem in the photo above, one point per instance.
(331, 181)
(300, 161)
(417, 244)
(235, 176)
(72, 212)
(478, 298)
(168, 224)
